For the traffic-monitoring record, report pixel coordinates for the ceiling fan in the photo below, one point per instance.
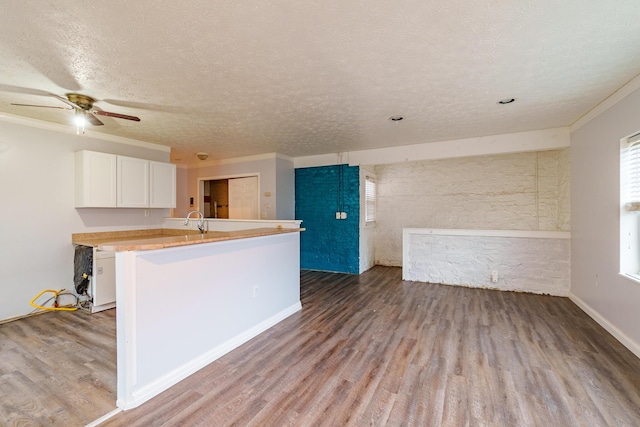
(84, 109)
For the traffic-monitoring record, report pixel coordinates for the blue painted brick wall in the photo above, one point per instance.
(329, 244)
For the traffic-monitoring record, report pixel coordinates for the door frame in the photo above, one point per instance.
(200, 200)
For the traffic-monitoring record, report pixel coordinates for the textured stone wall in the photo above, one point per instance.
(553, 190)
(537, 265)
(521, 191)
(328, 244)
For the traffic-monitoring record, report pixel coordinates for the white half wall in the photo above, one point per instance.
(181, 308)
(524, 261)
(213, 224)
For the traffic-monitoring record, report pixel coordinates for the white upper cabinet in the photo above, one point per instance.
(162, 185)
(109, 181)
(133, 182)
(95, 180)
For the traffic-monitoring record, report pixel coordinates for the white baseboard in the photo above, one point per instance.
(163, 383)
(104, 418)
(633, 346)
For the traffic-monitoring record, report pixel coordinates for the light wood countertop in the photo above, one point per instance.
(143, 240)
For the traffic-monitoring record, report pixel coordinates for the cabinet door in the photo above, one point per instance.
(95, 180)
(133, 182)
(162, 185)
(103, 282)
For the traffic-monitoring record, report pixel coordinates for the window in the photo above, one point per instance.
(370, 197)
(630, 207)
(630, 168)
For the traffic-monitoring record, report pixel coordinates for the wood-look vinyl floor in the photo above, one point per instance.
(57, 369)
(374, 350)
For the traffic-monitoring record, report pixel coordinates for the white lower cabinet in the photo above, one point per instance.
(102, 287)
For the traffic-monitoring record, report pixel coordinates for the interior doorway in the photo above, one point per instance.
(230, 197)
(216, 198)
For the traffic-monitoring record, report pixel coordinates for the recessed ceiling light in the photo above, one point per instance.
(506, 101)
(396, 118)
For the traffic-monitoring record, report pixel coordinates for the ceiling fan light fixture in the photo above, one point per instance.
(202, 156)
(80, 120)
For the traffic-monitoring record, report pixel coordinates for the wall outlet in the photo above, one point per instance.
(146, 213)
(343, 215)
(264, 214)
(494, 276)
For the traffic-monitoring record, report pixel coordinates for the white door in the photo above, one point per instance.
(243, 198)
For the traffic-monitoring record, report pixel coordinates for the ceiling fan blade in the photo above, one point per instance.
(163, 108)
(40, 106)
(65, 100)
(22, 90)
(93, 120)
(116, 115)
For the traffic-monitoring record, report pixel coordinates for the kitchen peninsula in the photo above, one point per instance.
(185, 300)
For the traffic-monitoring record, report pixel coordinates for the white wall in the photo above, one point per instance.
(182, 192)
(595, 213)
(285, 189)
(38, 215)
(514, 191)
(274, 170)
(518, 142)
(367, 232)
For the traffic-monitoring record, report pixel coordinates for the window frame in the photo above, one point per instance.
(630, 207)
(630, 172)
(370, 200)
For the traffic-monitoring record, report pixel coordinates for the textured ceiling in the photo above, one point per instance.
(312, 77)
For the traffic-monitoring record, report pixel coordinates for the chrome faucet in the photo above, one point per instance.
(200, 221)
